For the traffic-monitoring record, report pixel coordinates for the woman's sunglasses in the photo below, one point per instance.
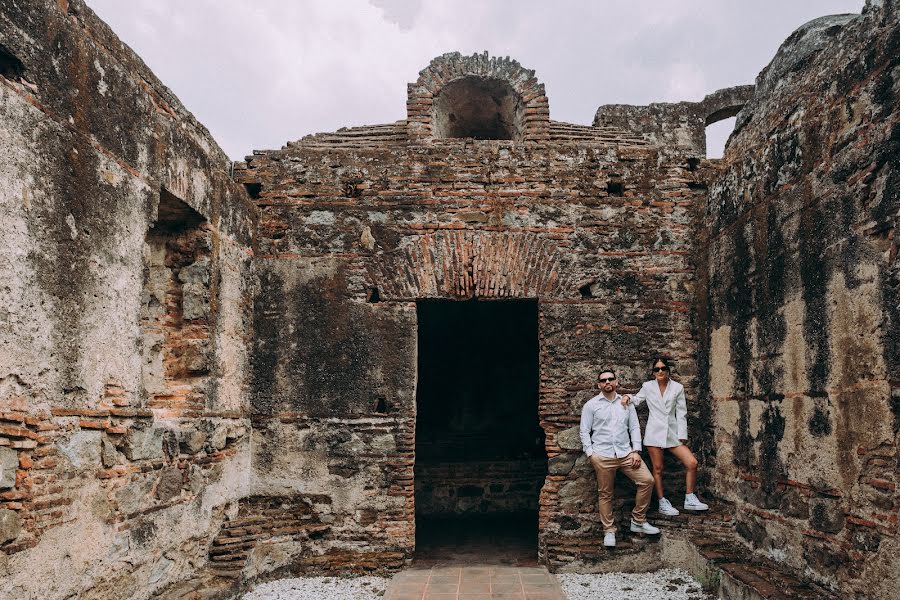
(656, 369)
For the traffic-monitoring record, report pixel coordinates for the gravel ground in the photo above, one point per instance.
(666, 584)
(319, 588)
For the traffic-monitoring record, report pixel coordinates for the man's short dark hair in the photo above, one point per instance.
(600, 374)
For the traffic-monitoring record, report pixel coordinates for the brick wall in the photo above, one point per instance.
(355, 226)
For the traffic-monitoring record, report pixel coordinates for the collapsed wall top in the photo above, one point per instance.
(479, 97)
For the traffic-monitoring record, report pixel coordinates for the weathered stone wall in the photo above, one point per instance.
(124, 261)
(676, 127)
(802, 306)
(357, 225)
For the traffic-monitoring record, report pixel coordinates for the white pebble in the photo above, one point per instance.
(665, 584)
(317, 588)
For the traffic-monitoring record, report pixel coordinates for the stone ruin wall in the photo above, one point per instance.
(597, 225)
(142, 355)
(801, 306)
(124, 317)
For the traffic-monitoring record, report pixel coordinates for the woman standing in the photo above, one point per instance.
(667, 430)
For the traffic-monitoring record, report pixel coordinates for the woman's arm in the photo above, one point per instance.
(681, 414)
(639, 397)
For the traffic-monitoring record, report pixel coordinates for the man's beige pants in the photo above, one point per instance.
(606, 477)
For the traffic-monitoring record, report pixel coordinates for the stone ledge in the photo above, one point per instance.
(722, 566)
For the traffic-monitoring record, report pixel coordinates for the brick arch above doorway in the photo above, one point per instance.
(468, 264)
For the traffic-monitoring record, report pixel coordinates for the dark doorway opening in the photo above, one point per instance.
(480, 458)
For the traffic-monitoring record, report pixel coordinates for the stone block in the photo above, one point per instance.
(10, 525)
(219, 437)
(108, 453)
(192, 441)
(195, 355)
(133, 497)
(569, 439)
(169, 485)
(143, 444)
(578, 494)
(195, 292)
(9, 462)
(83, 449)
(561, 464)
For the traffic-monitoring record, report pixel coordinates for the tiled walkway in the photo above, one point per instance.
(474, 583)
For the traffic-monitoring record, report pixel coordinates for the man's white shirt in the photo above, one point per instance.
(608, 428)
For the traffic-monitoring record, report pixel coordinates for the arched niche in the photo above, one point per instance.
(478, 107)
(478, 96)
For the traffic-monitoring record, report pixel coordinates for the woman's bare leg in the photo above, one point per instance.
(687, 458)
(656, 459)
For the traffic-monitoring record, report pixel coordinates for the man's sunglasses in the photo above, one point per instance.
(605, 379)
(655, 369)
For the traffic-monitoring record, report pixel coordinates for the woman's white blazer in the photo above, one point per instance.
(667, 423)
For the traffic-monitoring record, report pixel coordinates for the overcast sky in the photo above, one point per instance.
(261, 73)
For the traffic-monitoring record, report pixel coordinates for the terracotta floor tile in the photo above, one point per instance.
(440, 596)
(475, 582)
(408, 587)
(539, 587)
(476, 572)
(394, 595)
(413, 574)
(506, 588)
(475, 587)
(442, 588)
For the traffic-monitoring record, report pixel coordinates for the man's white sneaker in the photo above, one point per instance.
(609, 540)
(692, 502)
(666, 508)
(644, 527)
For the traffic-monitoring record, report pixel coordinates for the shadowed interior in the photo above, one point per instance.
(479, 447)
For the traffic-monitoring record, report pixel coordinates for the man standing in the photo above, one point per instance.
(611, 436)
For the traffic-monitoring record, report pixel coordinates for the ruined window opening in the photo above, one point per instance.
(585, 290)
(373, 295)
(175, 312)
(615, 187)
(10, 66)
(717, 137)
(480, 458)
(381, 406)
(478, 107)
(253, 190)
(173, 215)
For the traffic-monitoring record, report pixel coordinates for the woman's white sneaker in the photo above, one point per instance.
(692, 502)
(609, 540)
(644, 527)
(666, 508)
